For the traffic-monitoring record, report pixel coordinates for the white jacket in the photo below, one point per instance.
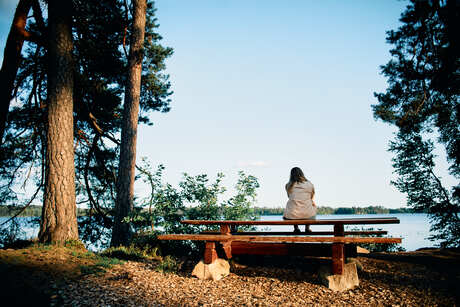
(300, 203)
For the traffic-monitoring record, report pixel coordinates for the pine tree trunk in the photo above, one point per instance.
(59, 220)
(121, 234)
(11, 60)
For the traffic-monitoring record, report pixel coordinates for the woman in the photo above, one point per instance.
(300, 204)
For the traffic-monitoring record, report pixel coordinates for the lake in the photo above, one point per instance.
(414, 227)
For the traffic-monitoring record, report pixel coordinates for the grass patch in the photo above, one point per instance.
(131, 253)
(107, 262)
(74, 245)
(100, 266)
(91, 269)
(168, 265)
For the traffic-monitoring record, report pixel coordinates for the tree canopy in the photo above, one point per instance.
(101, 34)
(422, 100)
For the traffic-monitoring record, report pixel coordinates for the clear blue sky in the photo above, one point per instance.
(263, 86)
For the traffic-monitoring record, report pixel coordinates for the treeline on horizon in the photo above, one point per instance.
(342, 210)
(37, 210)
(32, 211)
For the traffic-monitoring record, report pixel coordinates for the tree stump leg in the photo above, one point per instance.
(227, 247)
(210, 253)
(338, 260)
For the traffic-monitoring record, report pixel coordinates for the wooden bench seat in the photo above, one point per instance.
(291, 233)
(257, 238)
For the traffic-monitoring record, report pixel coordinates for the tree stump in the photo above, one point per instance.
(345, 281)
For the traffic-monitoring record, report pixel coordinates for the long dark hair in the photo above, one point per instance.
(296, 176)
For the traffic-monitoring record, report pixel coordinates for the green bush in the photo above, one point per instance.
(196, 198)
(378, 247)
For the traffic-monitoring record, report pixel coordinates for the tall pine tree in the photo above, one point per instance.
(59, 217)
(121, 232)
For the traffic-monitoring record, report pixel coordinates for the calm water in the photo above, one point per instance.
(414, 227)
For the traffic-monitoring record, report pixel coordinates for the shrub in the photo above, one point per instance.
(196, 198)
(168, 264)
(131, 253)
(378, 247)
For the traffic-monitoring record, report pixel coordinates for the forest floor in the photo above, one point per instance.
(43, 275)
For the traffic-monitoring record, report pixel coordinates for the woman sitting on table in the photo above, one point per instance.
(300, 204)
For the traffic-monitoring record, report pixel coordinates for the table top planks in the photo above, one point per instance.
(347, 221)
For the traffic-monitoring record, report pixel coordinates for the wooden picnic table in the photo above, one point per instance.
(287, 243)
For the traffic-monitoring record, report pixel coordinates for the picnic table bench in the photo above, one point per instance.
(337, 243)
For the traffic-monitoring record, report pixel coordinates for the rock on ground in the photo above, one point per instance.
(215, 271)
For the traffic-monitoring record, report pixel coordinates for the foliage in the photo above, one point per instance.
(422, 100)
(168, 264)
(94, 230)
(240, 206)
(415, 166)
(100, 32)
(378, 247)
(10, 234)
(131, 252)
(196, 198)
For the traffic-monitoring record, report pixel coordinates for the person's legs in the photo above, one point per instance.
(307, 227)
(296, 227)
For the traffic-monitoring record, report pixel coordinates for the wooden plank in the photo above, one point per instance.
(349, 221)
(288, 249)
(338, 258)
(210, 253)
(291, 233)
(216, 238)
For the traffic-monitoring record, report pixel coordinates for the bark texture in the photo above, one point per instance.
(121, 234)
(59, 220)
(11, 60)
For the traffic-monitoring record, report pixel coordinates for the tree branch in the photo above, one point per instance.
(93, 203)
